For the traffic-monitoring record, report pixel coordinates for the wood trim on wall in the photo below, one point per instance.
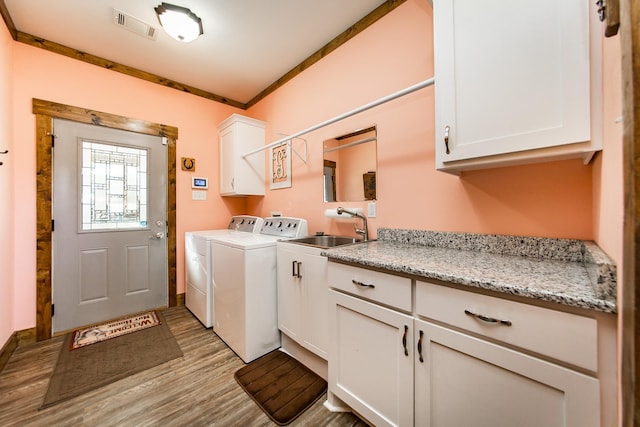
(630, 298)
(44, 180)
(6, 17)
(114, 66)
(7, 349)
(180, 299)
(16, 339)
(341, 39)
(45, 112)
(344, 37)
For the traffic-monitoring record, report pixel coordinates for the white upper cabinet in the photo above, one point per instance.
(241, 176)
(516, 82)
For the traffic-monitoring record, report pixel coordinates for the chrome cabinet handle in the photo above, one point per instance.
(404, 340)
(488, 319)
(362, 284)
(420, 347)
(447, 128)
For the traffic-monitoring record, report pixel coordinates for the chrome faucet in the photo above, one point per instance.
(364, 231)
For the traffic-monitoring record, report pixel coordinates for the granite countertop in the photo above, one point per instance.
(570, 272)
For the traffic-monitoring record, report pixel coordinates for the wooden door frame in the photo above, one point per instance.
(45, 112)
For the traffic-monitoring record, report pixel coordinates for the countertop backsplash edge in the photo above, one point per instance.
(533, 247)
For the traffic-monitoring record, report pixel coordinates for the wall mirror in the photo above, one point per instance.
(350, 166)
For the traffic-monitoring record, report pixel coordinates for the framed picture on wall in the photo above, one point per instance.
(280, 166)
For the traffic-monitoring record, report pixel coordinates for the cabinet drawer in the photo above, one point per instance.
(394, 291)
(562, 336)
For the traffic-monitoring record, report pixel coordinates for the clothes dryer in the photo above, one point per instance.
(245, 275)
(199, 284)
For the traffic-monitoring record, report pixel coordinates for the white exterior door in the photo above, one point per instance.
(109, 213)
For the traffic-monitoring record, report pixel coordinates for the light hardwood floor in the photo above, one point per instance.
(195, 390)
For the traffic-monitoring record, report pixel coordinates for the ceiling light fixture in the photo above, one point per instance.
(179, 22)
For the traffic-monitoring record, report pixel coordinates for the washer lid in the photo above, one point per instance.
(206, 234)
(246, 240)
(210, 234)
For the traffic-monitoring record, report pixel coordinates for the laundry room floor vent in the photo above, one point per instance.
(134, 25)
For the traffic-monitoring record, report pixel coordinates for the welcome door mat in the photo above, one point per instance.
(283, 387)
(112, 329)
(94, 366)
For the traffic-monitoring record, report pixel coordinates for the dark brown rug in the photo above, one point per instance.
(94, 366)
(283, 387)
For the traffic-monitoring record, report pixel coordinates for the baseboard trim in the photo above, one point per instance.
(18, 338)
(26, 336)
(180, 299)
(7, 349)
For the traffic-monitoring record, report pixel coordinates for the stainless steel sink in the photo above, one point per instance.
(325, 241)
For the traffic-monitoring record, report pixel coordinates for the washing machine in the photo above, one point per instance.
(199, 285)
(245, 303)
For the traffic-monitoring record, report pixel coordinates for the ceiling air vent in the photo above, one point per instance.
(134, 25)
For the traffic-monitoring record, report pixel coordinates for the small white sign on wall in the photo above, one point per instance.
(280, 166)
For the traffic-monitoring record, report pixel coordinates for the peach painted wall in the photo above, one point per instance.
(608, 177)
(44, 75)
(6, 190)
(553, 199)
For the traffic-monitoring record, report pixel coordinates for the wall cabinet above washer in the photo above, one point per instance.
(516, 82)
(241, 176)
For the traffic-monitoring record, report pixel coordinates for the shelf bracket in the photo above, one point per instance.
(302, 157)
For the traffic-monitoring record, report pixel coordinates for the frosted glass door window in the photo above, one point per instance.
(114, 187)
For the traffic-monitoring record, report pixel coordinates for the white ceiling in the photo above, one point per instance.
(247, 44)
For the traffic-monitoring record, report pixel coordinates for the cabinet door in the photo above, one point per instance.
(510, 76)
(464, 380)
(316, 309)
(227, 161)
(290, 309)
(371, 360)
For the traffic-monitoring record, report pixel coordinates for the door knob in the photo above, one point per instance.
(158, 235)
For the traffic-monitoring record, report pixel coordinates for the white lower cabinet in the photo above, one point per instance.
(397, 368)
(465, 381)
(302, 296)
(371, 360)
